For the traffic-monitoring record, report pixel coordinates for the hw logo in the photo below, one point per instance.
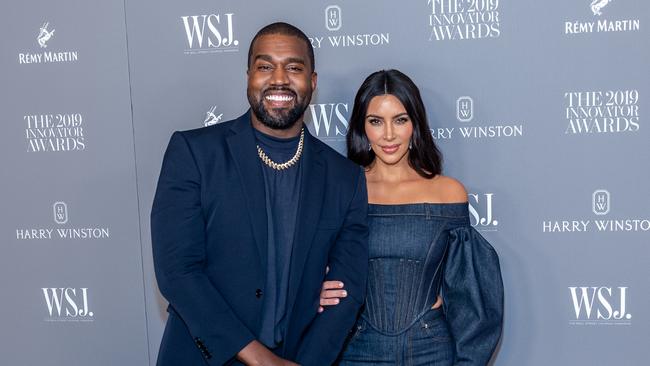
(483, 221)
(601, 299)
(67, 304)
(464, 109)
(333, 20)
(60, 213)
(600, 202)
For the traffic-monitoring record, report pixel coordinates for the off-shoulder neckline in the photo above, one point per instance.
(428, 209)
(419, 203)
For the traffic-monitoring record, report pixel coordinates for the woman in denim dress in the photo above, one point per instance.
(434, 293)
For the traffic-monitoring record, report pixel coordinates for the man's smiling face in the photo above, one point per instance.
(280, 80)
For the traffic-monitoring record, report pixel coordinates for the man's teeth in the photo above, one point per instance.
(279, 98)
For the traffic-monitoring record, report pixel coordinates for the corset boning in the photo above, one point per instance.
(405, 270)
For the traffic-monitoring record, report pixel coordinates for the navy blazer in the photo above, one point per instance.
(209, 239)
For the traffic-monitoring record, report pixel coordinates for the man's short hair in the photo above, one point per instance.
(285, 29)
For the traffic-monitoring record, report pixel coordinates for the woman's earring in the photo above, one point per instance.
(410, 145)
(369, 147)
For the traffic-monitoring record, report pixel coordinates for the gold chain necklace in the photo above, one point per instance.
(289, 163)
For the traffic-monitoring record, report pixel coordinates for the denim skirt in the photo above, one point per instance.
(427, 342)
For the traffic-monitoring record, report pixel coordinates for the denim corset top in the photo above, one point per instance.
(407, 244)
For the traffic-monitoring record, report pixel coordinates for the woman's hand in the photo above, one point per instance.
(256, 354)
(331, 294)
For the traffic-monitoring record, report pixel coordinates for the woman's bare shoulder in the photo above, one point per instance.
(448, 189)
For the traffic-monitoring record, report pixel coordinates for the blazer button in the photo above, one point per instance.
(258, 293)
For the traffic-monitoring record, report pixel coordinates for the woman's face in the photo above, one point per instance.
(389, 128)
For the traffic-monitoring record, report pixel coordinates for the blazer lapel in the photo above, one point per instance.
(312, 194)
(242, 148)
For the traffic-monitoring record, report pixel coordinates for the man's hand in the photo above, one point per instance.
(255, 354)
(331, 294)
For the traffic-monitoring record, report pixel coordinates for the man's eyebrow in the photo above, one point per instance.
(295, 60)
(289, 60)
(264, 58)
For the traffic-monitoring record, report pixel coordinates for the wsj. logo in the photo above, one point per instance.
(602, 300)
(328, 120)
(333, 20)
(483, 221)
(67, 304)
(44, 35)
(211, 118)
(60, 212)
(212, 39)
(597, 5)
(464, 109)
(600, 202)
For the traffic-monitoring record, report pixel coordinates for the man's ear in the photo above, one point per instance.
(314, 80)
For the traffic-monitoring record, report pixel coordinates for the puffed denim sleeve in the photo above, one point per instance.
(472, 292)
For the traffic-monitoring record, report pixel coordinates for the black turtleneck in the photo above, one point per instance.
(282, 188)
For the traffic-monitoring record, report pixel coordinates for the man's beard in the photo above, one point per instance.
(285, 118)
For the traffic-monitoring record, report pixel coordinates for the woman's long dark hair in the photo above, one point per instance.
(424, 156)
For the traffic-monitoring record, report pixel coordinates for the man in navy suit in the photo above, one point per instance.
(247, 216)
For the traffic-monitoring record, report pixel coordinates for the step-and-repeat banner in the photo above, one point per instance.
(539, 108)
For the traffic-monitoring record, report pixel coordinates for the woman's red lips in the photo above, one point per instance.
(390, 149)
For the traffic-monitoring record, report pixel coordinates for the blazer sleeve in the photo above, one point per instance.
(348, 262)
(472, 292)
(179, 254)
